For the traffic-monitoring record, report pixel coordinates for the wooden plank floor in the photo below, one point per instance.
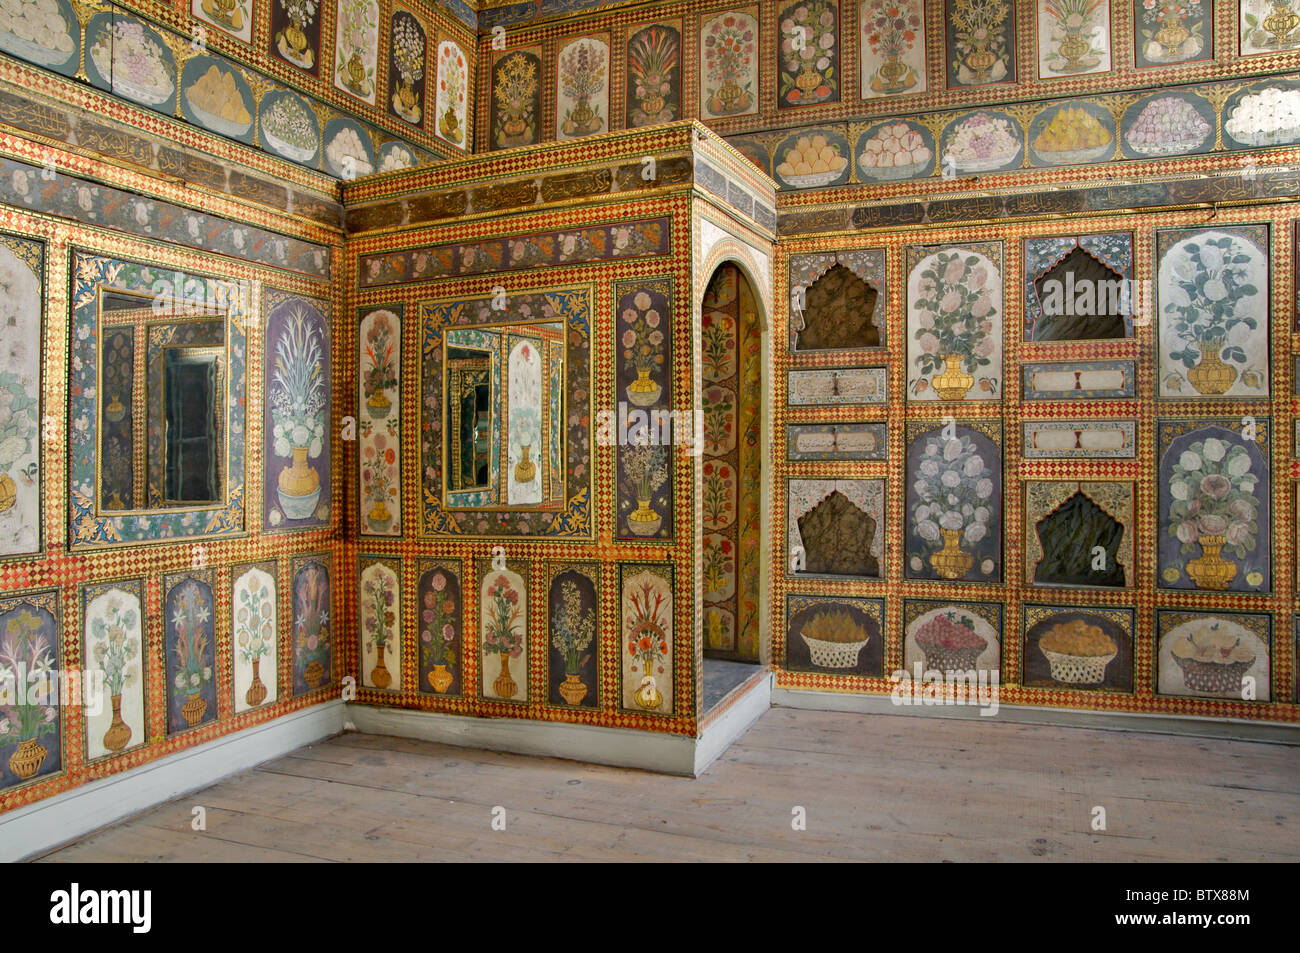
(880, 787)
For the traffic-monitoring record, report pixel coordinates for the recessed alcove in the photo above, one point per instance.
(1081, 299)
(838, 312)
(837, 538)
(1070, 535)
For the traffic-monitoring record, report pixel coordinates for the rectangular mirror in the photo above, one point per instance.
(504, 425)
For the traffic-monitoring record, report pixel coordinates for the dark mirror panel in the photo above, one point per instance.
(192, 433)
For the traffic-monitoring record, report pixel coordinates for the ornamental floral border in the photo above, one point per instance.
(574, 521)
(87, 529)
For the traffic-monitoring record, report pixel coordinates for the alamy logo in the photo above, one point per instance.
(1090, 297)
(76, 906)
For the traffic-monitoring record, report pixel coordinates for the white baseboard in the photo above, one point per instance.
(40, 827)
(1229, 728)
(736, 714)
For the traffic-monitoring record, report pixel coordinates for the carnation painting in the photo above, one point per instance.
(891, 47)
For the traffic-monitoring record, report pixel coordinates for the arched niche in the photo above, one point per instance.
(838, 311)
(1081, 299)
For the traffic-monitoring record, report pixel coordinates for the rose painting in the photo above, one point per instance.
(891, 47)
(808, 55)
(954, 322)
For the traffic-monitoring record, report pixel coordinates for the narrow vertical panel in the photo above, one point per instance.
(379, 427)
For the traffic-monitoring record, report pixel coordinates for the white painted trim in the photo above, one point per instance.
(743, 708)
(54, 821)
(1236, 729)
(648, 750)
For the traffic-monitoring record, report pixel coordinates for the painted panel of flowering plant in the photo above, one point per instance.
(572, 617)
(808, 53)
(22, 263)
(954, 322)
(30, 732)
(654, 74)
(1212, 306)
(981, 42)
(954, 501)
(503, 630)
(442, 664)
(891, 47)
(356, 48)
(113, 657)
(951, 637)
(644, 376)
(231, 16)
(296, 492)
(312, 617)
(408, 47)
(646, 610)
(582, 87)
(1214, 654)
(189, 634)
(379, 615)
(254, 610)
(1073, 37)
(1172, 31)
(1268, 26)
(295, 33)
(516, 98)
(379, 430)
(451, 99)
(729, 64)
(834, 635)
(1214, 513)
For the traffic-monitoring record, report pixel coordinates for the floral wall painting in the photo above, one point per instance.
(189, 634)
(255, 631)
(572, 634)
(312, 617)
(729, 64)
(46, 32)
(30, 733)
(654, 75)
(231, 16)
(113, 657)
(524, 373)
(808, 53)
(408, 45)
(582, 88)
(891, 47)
(644, 382)
(984, 141)
(295, 33)
(1079, 287)
(1172, 31)
(1214, 515)
(379, 425)
(954, 322)
(1078, 648)
(954, 501)
(22, 263)
(952, 637)
(981, 45)
(131, 60)
(1073, 37)
(503, 631)
(516, 98)
(442, 663)
(1079, 533)
(834, 528)
(835, 635)
(1212, 295)
(646, 610)
(297, 415)
(452, 98)
(1214, 654)
(380, 623)
(356, 48)
(1268, 26)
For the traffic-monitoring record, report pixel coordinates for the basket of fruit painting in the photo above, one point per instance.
(950, 642)
(1213, 659)
(834, 640)
(1078, 652)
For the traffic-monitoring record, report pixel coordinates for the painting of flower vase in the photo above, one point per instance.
(572, 612)
(440, 627)
(582, 99)
(295, 33)
(646, 606)
(654, 59)
(379, 429)
(312, 616)
(379, 612)
(256, 635)
(1268, 26)
(1172, 31)
(981, 42)
(516, 98)
(1214, 505)
(30, 731)
(729, 64)
(892, 47)
(452, 98)
(21, 267)
(114, 646)
(808, 55)
(190, 637)
(406, 74)
(356, 47)
(1073, 37)
(297, 444)
(503, 619)
(954, 322)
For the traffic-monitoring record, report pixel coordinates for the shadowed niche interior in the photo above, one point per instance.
(837, 313)
(1080, 300)
(837, 538)
(1069, 534)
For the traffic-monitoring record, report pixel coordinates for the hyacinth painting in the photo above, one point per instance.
(954, 322)
(954, 501)
(30, 729)
(189, 630)
(1214, 511)
(582, 88)
(21, 264)
(729, 64)
(1212, 293)
(891, 47)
